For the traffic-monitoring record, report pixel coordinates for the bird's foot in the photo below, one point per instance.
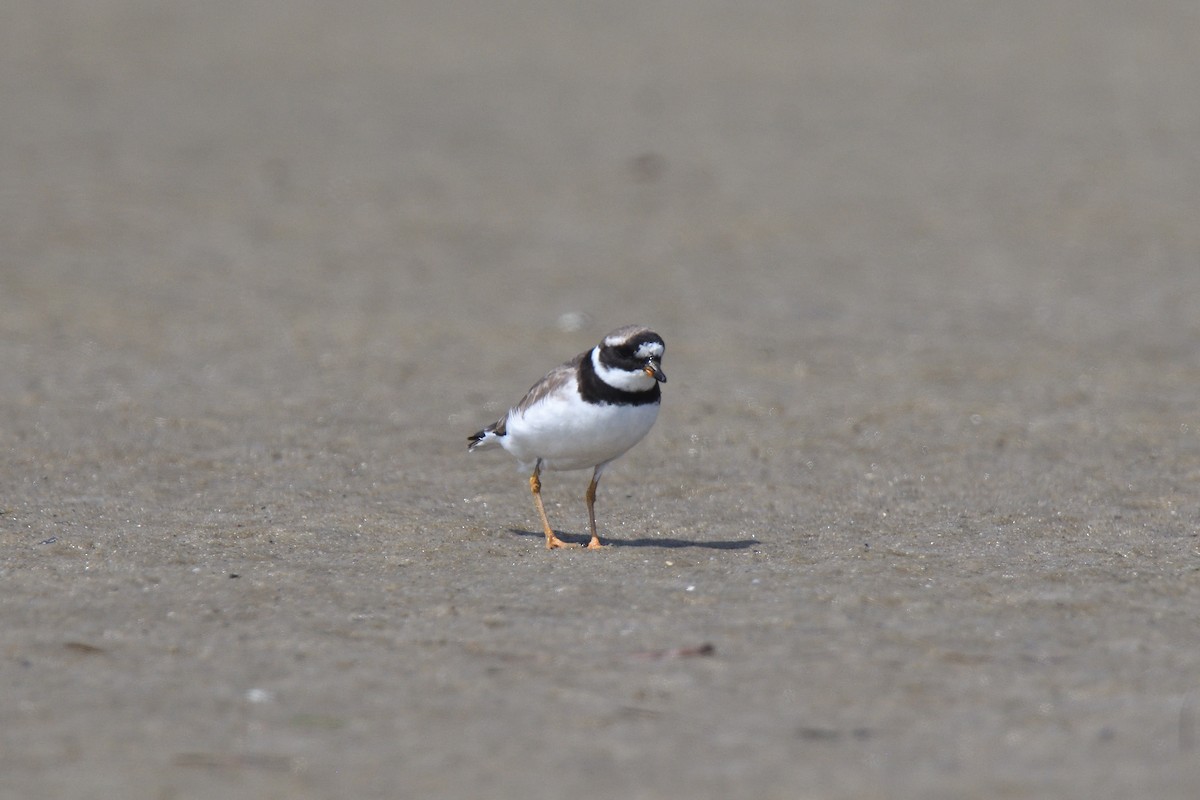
(594, 544)
(554, 543)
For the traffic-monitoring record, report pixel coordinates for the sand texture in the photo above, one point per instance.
(918, 518)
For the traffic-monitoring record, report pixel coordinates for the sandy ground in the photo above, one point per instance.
(926, 480)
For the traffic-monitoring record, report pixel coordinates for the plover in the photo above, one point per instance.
(584, 413)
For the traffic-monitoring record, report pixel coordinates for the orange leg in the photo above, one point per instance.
(594, 544)
(535, 486)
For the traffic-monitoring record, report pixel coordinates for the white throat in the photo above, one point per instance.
(636, 381)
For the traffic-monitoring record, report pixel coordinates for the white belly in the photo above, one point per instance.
(572, 434)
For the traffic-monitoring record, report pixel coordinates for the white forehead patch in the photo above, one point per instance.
(649, 350)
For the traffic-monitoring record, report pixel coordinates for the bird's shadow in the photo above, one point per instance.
(669, 543)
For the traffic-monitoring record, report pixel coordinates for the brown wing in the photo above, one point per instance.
(552, 382)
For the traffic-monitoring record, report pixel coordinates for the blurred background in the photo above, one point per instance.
(929, 278)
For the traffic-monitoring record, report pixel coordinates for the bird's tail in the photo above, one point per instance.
(484, 439)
